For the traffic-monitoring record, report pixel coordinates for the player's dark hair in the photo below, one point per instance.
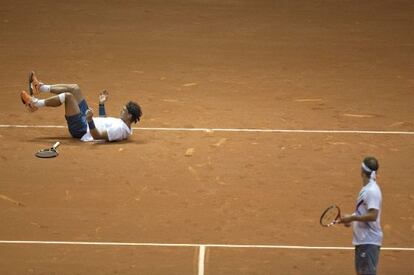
(135, 110)
(371, 163)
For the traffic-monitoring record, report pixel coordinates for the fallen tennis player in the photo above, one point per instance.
(81, 122)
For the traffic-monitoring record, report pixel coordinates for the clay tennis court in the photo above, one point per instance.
(257, 115)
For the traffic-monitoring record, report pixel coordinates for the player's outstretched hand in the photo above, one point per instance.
(103, 96)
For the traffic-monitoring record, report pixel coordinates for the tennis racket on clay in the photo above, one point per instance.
(48, 152)
(330, 216)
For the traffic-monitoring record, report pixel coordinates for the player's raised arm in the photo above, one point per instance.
(103, 97)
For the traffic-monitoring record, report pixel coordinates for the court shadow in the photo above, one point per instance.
(68, 140)
(128, 141)
(53, 139)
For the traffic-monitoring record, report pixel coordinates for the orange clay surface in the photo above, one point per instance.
(327, 65)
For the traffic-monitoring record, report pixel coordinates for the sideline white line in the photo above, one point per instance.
(237, 130)
(198, 245)
(201, 257)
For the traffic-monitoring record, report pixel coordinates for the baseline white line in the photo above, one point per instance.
(278, 131)
(237, 130)
(198, 245)
(201, 257)
(31, 126)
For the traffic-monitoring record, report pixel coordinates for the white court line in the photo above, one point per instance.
(298, 247)
(201, 257)
(237, 130)
(31, 126)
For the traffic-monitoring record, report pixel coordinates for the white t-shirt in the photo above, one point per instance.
(115, 127)
(368, 232)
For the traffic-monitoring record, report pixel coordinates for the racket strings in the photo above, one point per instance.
(47, 153)
(330, 216)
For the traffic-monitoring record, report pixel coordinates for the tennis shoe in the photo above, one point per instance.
(28, 101)
(34, 84)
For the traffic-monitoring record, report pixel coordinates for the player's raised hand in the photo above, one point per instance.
(103, 96)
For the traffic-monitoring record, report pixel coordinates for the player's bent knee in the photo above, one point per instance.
(66, 97)
(76, 87)
(73, 88)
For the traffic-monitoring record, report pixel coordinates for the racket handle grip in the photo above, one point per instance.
(56, 145)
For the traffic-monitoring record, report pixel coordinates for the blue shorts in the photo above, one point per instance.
(77, 124)
(366, 258)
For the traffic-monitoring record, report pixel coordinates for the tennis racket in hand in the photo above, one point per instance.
(331, 216)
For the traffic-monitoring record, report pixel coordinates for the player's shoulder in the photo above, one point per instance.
(120, 125)
(112, 120)
(374, 189)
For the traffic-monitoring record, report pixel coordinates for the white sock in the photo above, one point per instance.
(38, 102)
(45, 88)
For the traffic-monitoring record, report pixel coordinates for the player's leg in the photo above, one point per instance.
(74, 89)
(366, 259)
(71, 104)
(74, 112)
(36, 87)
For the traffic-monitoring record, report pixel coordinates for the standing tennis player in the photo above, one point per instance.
(79, 117)
(365, 221)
